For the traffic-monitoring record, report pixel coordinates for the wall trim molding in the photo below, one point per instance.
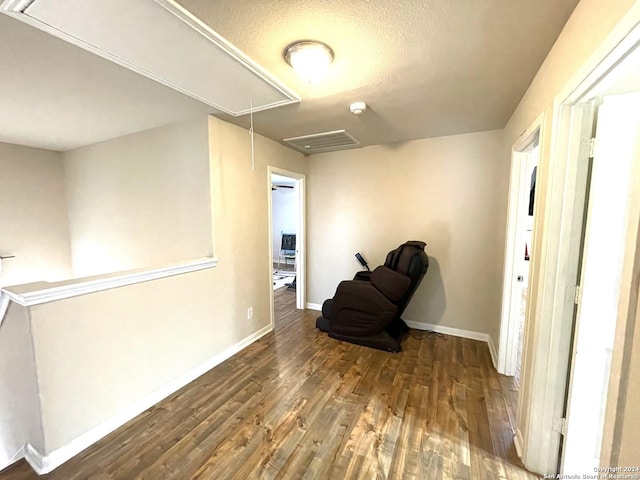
(43, 292)
(43, 464)
(37, 461)
(458, 332)
(492, 351)
(5, 299)
(8, 461)
(314, 306)
(517, 442)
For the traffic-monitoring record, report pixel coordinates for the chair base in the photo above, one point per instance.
(388, 340)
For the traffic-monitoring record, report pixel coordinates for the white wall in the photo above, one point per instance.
(19, 407)
(140, 200)
(284, 205)
(444, 191)
(33, 216)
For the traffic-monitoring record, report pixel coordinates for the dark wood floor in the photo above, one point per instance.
(297, 404)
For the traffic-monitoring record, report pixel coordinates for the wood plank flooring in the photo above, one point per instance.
(299, 405)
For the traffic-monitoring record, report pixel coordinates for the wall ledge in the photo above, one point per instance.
(43, 292)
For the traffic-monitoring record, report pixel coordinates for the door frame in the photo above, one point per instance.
(549, 335)
(582, 400)
(507, 352)
(301, 237)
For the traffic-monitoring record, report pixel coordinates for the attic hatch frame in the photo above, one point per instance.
(17, 9)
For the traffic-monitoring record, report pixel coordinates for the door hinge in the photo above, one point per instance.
(592, 147)
(573, 294)
(560, 426)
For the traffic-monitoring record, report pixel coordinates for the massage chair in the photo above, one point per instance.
(367, 310)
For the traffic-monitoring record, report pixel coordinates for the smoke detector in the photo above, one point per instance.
(358, 108)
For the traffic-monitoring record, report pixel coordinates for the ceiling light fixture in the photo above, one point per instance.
(358, 108)
(310, 59)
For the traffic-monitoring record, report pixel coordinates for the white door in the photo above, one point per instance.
(617, 146)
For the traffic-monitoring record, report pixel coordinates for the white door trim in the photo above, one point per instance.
(507, 353)
(601, 286)
(556, 264)
(301, 237)
(549, 334)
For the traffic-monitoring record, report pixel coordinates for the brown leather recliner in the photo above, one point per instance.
(367, 309)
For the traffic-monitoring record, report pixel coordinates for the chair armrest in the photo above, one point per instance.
(360, 296)
(358, 307)
(363, 275)
(392, 284)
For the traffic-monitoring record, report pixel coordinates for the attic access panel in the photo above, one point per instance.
(162, 41)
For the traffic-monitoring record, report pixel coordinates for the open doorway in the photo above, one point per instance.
(284, 227)
(605, 277)
(286, 241)
(518, 252)
(569, 416)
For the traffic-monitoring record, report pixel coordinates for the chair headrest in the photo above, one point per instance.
(400, 259)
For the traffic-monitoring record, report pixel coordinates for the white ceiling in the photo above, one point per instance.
(425, 67)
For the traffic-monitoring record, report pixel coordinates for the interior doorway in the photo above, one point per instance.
(286, 192)
(611, 215)
(518, 252)
(567, 420)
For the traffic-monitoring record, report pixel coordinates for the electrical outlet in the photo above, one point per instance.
(249, 313)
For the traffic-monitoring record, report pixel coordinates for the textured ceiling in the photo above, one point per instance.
(425, 67)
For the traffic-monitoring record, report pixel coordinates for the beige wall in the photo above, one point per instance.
(137, 201)
(446, 191)
(33, 216)
(241, 218)
(98, 354)
(585, 34)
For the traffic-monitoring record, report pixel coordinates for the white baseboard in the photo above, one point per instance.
(7, 461)
(37, 461)
(517, 441)
(45, 463)
(314, 306)
(492, 351)
(458, 332)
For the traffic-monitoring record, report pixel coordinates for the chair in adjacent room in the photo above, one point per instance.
(287, 249)
(367, 310)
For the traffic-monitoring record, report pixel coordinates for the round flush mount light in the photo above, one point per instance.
(358, 108)
(310, 59)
